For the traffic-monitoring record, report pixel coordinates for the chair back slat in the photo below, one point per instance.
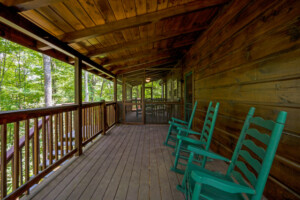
(267, 124)
(239, 178)
(244, 169)
(264, 138)
(255, 164)
(260, 152)
(208, 127)
(208, 123)
(244, 164)
(192, 115)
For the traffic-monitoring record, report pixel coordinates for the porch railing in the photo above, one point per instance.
(43, 139)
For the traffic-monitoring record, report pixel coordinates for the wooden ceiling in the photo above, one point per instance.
(124, 36)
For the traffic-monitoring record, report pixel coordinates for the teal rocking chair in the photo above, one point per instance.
(203, 143)
(258, 155)
(177, 123)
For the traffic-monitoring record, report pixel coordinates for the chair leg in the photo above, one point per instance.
(168, 136)
(174, 168)
(196, 192)
(182, 187)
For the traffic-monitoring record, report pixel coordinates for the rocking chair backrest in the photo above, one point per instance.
(192, 115)
(259, 152)
(208, 126)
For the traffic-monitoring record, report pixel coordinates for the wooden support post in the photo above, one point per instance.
(36, 148)
(16, 156)
(27, 158)
(44, 142)
(104, 118)
(3, 161)
(116, 99)
(124, 98)
(143, 100)
(78, 101)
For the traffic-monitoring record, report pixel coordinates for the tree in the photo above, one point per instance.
(86, 87)
(47, 80)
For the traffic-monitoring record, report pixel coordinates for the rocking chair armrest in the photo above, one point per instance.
(221, 184)
(177, 125)
(189, 131)
(190, 140)
(203, 152)
(178, 120)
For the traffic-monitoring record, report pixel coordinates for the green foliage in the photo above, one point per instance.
(21, 77)
(99, 88)
(22, 80)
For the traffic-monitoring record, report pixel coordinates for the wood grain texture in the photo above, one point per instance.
(113, 168)
(251, 58)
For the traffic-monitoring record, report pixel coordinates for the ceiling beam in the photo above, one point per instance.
(147, 53)
(10, 17)
(107, 28)
(142, 71)
(168, 65)
(164, 57)
(147, 65)
(144, 60)
(142, 42)
(34, 4)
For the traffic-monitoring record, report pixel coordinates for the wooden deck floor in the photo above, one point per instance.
(128, 163)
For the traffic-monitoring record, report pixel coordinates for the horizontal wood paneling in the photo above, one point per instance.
(250, 56)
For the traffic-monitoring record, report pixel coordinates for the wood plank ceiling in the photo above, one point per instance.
(124, 36)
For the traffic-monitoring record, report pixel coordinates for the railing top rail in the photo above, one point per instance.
(110, 103)
(19, 115)
(164, 102)
(91, 104)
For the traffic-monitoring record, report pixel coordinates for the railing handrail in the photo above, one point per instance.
(100, 118)
(19, 115)
(91, 104)
(110, 103)
(10, 152)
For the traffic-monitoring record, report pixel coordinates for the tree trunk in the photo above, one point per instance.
(48, 80)
(102, 87)
(3, 63)
(86, 86)
(93, 84)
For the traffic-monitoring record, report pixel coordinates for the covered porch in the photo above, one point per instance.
(129, 162)
(161, 57)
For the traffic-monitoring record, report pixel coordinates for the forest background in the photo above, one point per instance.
(29, 79)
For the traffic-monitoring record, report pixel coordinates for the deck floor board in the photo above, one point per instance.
(129, 163)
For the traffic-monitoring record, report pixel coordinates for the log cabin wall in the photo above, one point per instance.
(250, 56)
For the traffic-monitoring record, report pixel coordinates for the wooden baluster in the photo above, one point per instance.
(3, 161)
(15, 178)
(66, 131)
(51, 140)
(116, 112)
(56, 136)
(83, 125)
(96, 119)
(71, 130)
(21, 166)
(44, 142)
(36, 148)
(61, 133)
(27, 158)
(93, 128)
(100, 117)
(88, 122)
(104, 118)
